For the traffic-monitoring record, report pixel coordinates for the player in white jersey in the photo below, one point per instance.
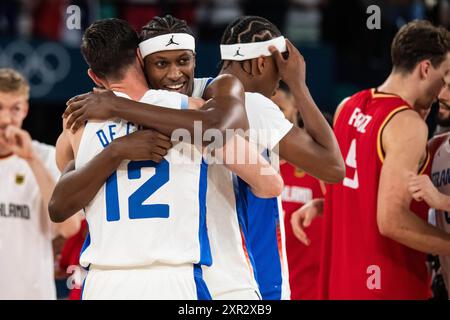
(174, 70)
(250, 62)
(28, 173)
(229, 219)
(173, 191)
(139, 199)
(436, 191)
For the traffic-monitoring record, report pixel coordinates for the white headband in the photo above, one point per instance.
(167, 42)
(246, 51)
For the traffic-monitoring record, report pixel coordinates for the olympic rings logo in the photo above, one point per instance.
(43, 66)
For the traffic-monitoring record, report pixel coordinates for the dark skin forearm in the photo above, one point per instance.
(315, 123)
(323, 158)
(167, 120)
(224, 110)
(76, 188)
(315, 148)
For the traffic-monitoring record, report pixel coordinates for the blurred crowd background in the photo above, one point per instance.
(342, 54)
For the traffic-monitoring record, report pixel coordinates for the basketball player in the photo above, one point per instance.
(436, 192)
(28, 172)
(161, 261)
(299, 146)
(374, 244)
(259, 70)
(443, 117)
(299, 188)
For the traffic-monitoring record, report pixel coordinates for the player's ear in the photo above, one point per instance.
(424, 68)
(26, 108)
(260, 64)
(140, 59)
(97, 80)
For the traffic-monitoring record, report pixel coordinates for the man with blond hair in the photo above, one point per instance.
(28, 172)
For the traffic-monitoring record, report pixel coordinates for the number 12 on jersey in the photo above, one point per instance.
(136, 208)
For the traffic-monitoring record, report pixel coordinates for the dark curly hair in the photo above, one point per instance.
(247, 29)
(164, 25)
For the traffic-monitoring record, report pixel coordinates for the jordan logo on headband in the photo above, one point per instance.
(238, 53)
(172, 42)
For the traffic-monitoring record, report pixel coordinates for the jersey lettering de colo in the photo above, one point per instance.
(146, 213)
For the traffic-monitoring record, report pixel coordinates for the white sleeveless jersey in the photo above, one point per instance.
(234, 263)
(146, 213)
(440, 173)
(27, 267)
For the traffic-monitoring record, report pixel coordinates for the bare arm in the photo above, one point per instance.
(20, 143)
(224, 110)
(64, 152)
(46, 184)
(404, 141)
(421, 188)
(300, 149)
(77, 187)
(314, 149)
(262, 178)
(303, 217)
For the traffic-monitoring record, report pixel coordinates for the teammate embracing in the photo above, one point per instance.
(147, 224)
(236, 210)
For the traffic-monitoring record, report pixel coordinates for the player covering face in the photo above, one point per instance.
(29, 173)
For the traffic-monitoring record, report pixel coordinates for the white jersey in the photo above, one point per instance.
(234, 262)
(440, 173)
(146, 213)
(27, 267)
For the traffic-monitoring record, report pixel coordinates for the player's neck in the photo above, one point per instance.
(401, 86)
(133, 84)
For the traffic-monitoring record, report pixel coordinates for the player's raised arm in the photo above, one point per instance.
(315, 148)
(224, 110)
(404, 139)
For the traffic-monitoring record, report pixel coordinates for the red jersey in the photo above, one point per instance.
(70, 255)
(357, 261)
(303, 261)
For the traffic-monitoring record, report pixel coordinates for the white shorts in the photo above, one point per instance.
(160, 282)
(246, 294)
